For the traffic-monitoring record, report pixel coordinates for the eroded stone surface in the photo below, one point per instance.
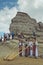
(22, 22)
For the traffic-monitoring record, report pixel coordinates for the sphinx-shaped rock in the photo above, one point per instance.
(22, 22)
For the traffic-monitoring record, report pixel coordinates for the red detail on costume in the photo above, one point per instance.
(34, 50)
(20, 50)
(26, 51)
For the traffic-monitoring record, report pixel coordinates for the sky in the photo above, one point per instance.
(9, 9)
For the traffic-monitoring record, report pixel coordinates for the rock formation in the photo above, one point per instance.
(22, 22)
(40, 26)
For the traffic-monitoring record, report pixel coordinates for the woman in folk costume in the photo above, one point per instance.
(20, 48)
(31, 47)
(26, 48)
(23, 48)
(35, 48)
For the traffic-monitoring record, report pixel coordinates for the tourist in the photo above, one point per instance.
(7, 34)
(12, 33)
(5, 37)
(10, 37)
(2, 39)
(21, 34)
(34, 34)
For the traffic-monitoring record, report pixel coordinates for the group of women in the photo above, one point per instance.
(28, 48)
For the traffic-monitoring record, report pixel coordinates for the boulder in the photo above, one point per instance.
(22, 22)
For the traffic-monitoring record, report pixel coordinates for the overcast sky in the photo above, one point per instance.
(9, 8)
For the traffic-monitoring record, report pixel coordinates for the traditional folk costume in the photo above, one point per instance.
(35, 49)
(26, 50)
(31, 48)
(20, 49)
(36, 53)
(23, 50)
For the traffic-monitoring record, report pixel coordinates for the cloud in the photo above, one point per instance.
(25, 5)
(38, 3)
(33, 7)
(6, 15)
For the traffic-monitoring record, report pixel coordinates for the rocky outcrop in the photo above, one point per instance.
(22, 22)
(40, 26)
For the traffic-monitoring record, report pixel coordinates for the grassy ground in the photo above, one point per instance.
(23, 61)
(11, 47)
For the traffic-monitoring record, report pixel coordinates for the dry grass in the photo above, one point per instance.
(22, 60)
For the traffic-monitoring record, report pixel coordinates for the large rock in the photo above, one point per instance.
(40, 26)
(23, 23)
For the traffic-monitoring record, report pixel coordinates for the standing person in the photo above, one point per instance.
(5, 37)
(10, 37)
(2, 39)
(34, 34)
(20, 47)
(23, 48)
(12, 33)
(31, 47)
(26, 48)
(35, 48)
